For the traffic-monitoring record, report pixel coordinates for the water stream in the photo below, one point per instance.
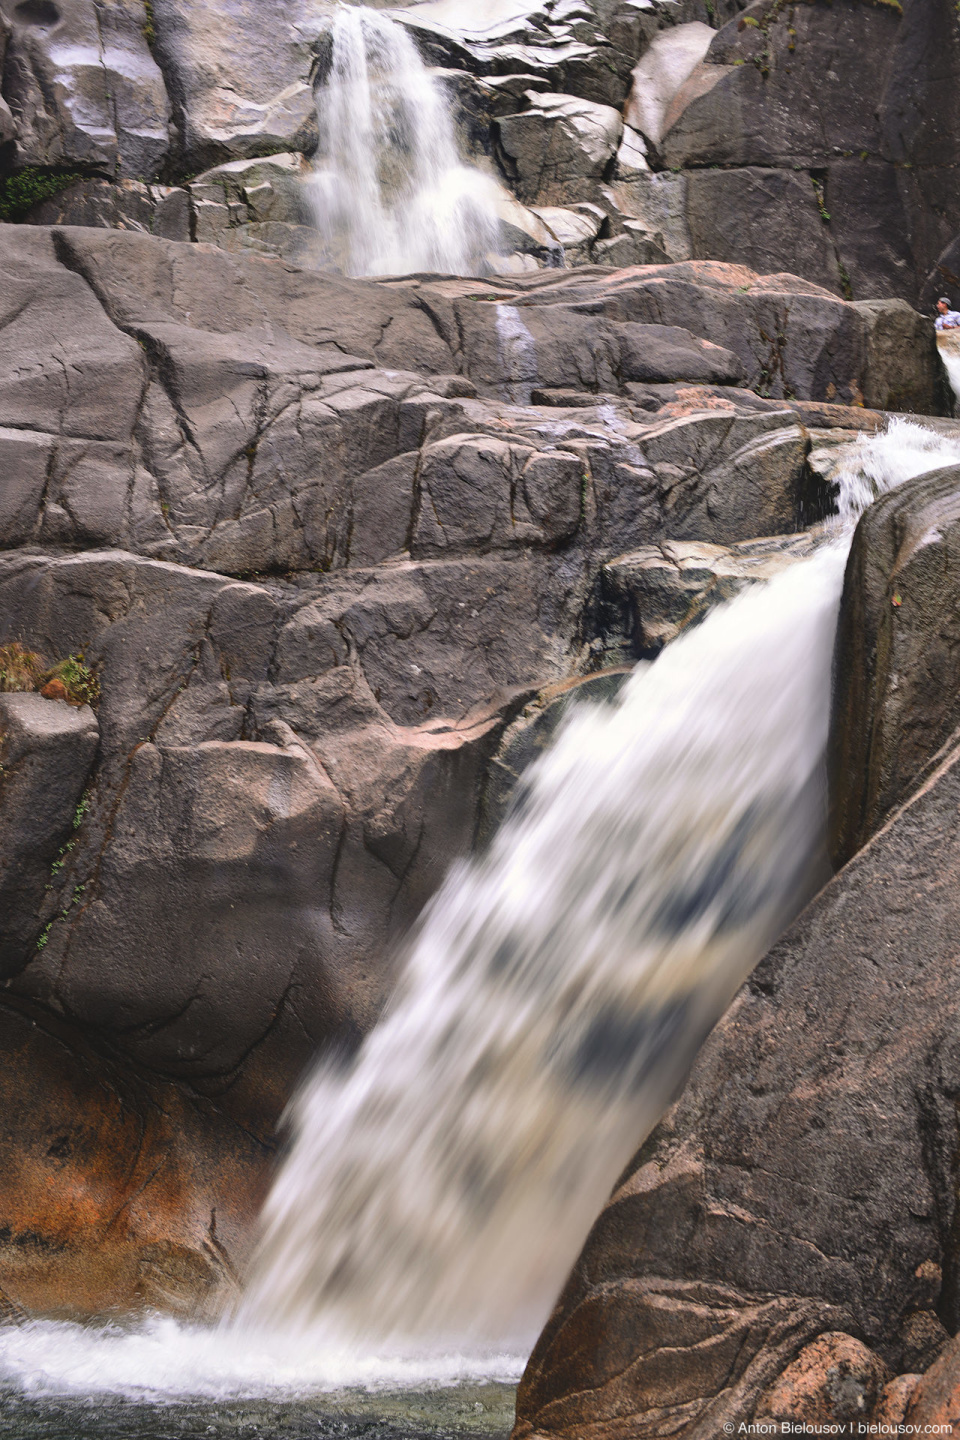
(438, 1188)
(389, 192)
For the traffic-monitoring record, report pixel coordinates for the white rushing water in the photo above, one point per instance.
(948, 343)
(438, 1188)
(389, 192)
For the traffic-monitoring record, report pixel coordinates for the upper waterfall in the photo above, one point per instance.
(389, 192)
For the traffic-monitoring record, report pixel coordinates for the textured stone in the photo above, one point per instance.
(660, 591)
(659, 74)
(47, 749)
(766, 219)
(82, 85)
(835, 1380)
(934, 1398)
(239, 87)
(117, 1192)
(897, 681)
(557, 143)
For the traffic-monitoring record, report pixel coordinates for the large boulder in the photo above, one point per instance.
(898, 676)
(240, 87)
(856, 100)
(802, 1186)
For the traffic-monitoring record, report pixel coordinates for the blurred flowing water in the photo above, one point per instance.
(439, 1186)
(389, 192)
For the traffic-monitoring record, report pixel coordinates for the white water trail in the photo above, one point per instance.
(948, 343)
(389, 192)
(517, 354)
(439, 1188)
(557, 990)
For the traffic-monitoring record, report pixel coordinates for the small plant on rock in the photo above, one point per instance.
(71, 680)
(20, 669)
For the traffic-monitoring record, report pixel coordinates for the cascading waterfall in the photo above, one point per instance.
(557, 990)
(439, 1186)
(948, 343)
(389, 192)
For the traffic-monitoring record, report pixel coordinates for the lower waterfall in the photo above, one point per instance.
(557, 989)
(389, 192)
(439, 1186)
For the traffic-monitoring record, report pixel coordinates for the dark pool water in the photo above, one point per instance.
(466, 1412)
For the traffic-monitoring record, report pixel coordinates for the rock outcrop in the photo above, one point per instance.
(895, 701)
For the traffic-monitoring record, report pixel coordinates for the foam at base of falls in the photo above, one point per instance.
(163, 1359)
(389, 192)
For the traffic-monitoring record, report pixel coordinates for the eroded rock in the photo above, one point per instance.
(894, 702)
(47, 748)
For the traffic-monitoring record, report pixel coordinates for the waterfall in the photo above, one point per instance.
(389, 192)
(439, 1188)
(948, 343)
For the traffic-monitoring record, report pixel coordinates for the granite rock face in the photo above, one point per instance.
(48, 749)
(895, 699)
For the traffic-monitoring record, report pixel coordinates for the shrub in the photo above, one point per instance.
(20, 669)
(70, 680)
(23, 189)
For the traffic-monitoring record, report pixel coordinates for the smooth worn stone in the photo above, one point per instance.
(897, 645)
(82, 86)
(660, 591)
(240, 87)
(558, 142)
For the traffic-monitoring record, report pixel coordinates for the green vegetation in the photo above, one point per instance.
(70, 679)
(23, 189)
(77, 679)
(80, 811)
(20, 669)
(818, 190)
(149, 30)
